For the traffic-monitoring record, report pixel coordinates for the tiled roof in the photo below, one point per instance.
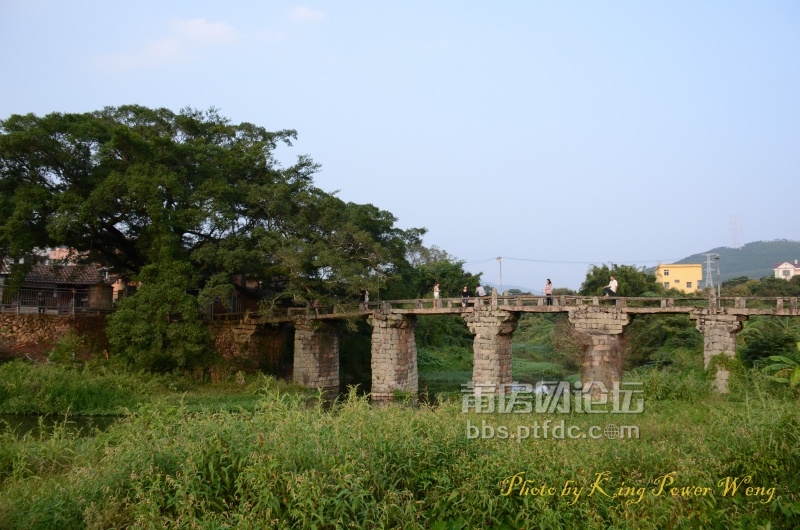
(785, 262)
(65, 274)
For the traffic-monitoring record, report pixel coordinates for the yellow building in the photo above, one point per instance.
(685, 277)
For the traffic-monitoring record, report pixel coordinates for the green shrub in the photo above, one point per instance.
(65, 349)
(682, 378)
(159, 328)
(763, 337)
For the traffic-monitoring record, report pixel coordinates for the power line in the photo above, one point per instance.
(566, 262)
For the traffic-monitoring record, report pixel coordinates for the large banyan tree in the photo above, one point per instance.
(183, 203)
(131, 186)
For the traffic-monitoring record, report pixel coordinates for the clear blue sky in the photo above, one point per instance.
(552, 134)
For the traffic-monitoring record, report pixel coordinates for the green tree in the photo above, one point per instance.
(632, 281)
(131, 186)
(159, 328)
(429, 266)
(155, 195)
(563, 291)
(770, 287)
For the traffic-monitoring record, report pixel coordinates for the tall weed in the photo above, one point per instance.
(291, 464)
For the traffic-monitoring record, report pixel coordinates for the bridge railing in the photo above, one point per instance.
(574, 300)
(430, 303)
(751, 303)
(758, 302)
(519, 302)
(285, 313)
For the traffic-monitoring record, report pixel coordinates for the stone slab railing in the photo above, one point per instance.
(748, 305)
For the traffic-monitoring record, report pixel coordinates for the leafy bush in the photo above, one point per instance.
(159, 328)
(66, 348)
(763, 337)
(652, 338)
(682, 377)
(785, 369)
(428, 361)
(442, 331)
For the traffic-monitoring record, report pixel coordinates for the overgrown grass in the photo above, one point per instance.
(529, 371)
(290, 465)
(442, 370)
(100, 389)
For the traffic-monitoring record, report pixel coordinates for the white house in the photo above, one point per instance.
(787, 270)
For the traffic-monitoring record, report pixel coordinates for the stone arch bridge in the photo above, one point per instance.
(492, 321)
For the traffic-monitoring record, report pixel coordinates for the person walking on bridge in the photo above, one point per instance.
(464, 296)
(435, 295)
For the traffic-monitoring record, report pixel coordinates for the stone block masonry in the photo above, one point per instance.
(493, 330)
(719, 330)
(256, 346)
(316, 355)
(719, 334)
(600, 329)
(33, 329)
(394, 356)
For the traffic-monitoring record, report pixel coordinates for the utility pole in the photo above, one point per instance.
(500, 262)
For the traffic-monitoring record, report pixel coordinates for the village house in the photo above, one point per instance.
(786, 270)
(684, 277)
(55, 286)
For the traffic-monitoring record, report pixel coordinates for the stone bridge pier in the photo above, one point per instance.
(316, 355)
(599, 329)
(493, 330)
(719, 338)
(267, 348)
(394, 355)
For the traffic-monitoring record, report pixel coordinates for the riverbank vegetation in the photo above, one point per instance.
(702, 461)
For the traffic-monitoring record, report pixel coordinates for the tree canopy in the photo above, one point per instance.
(130, 186)
(632, 281)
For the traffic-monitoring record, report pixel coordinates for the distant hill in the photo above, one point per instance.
(754, 260)
(509, 287)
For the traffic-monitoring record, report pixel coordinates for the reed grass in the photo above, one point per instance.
(103, 389)
(291, 463)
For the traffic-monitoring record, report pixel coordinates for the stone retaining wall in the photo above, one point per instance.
(33, 329)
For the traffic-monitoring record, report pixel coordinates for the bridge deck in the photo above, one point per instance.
(777, 306)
